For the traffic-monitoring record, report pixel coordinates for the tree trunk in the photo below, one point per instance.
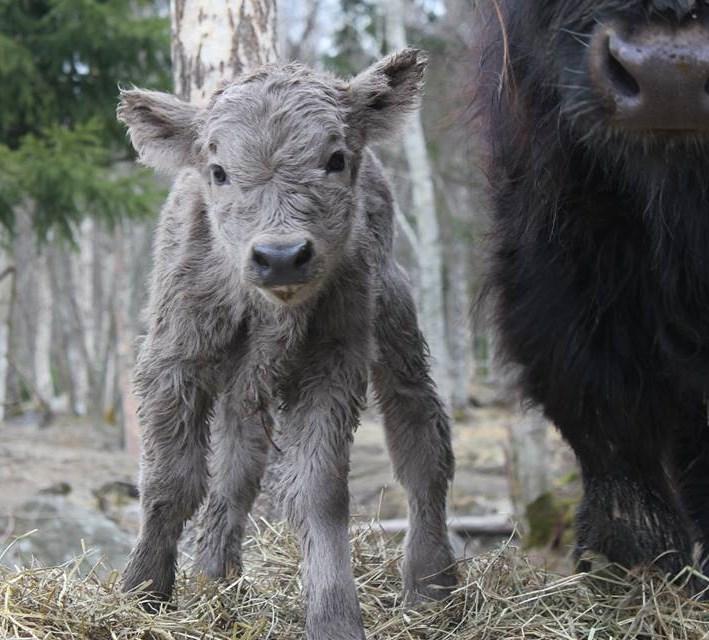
(458, 299)
(213, 41)
(423, 201)
(65, 290)
(125, 339)
(43, 337)
(22, 348)
(86, 298)
(459, 338)
(7, 298)
(528, 462)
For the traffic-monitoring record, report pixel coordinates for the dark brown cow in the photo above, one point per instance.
(597, 119)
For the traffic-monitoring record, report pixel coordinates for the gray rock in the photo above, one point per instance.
(489, 395)
(118, 501)
(61, 526)
(56, 489)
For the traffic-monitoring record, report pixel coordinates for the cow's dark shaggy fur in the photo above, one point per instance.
(600, 274)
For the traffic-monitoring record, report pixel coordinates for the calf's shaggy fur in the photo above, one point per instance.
(231, 360)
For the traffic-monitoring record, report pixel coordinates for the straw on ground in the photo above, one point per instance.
(502, 597)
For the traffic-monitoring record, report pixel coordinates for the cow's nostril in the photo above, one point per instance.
(621, 79)
(653, 78)
(304, 255)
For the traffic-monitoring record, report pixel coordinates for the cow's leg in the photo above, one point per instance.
(174, 411)
(691, 466)
(240, 446)
(630, 511)
(315, 439)
(418, 437)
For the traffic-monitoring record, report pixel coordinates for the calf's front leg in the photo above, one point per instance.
(317, 433)
(240, 447)
(174, 411)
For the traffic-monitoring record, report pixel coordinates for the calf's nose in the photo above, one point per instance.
(282, 264)
(657, 78)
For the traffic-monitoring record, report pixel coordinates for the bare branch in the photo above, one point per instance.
(493, 524)
(7, 272)
(296, 48)
(407, 228)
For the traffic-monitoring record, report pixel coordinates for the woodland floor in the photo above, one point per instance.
(86, 457)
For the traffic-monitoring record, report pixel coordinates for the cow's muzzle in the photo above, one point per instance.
(655, 77)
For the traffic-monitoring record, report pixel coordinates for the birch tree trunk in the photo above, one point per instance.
(7, 296)
(65, 288)
(43, 337)
(125, 345)
(459, 339)
(87, 312)
(458, 298)
(23, 255)
(430, 256)
(213, 41)
(529, 462)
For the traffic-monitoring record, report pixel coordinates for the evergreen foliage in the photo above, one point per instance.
(357, 41)
(360, 38)
(61, 62)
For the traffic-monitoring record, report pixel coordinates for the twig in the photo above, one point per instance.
(406, 227)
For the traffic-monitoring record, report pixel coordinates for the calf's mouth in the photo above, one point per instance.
(286, 293)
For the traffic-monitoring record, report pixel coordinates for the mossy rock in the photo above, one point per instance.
(550, 521)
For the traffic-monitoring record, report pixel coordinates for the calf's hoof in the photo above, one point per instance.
(217, 566)
(152, 580)
(334, 630)
(155, 604)
(432, 577)
(150, 601)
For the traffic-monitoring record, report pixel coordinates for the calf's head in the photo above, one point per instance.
(279, 153)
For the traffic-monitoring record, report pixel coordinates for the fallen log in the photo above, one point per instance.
(488, 525)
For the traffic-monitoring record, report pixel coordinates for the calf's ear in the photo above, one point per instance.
(162, 128)
(383, 95)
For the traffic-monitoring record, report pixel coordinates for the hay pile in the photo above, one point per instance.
(502, 597)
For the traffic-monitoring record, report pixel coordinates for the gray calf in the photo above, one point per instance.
(274, 296)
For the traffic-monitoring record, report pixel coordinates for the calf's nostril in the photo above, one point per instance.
(304, 255)
(260, 258)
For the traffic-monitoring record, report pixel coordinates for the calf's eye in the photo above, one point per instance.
(336, 163)
(218, 174)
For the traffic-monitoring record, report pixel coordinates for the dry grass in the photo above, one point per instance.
(502, 597)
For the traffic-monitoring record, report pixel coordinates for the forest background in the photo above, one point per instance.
(78, 216)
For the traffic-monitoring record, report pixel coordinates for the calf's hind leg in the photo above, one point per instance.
(417, 433)
(240, 448)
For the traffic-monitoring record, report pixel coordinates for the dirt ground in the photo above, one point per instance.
(86, 457)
